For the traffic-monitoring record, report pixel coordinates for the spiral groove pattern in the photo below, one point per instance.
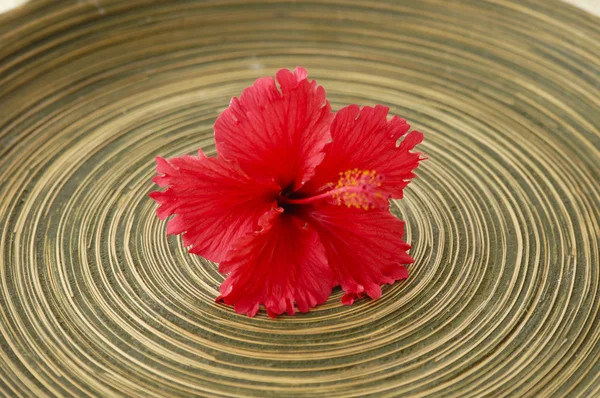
(504, 219)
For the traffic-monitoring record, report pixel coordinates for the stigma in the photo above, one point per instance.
(358, 188)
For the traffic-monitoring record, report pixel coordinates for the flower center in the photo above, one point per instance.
(355, 188)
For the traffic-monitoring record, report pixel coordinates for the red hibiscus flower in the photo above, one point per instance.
(296, 202)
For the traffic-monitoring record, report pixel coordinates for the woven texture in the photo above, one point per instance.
(504, 219)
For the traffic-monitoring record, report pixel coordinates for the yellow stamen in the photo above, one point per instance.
(357, 188)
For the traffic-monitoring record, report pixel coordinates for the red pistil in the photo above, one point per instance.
(326, 195)
(355, 188)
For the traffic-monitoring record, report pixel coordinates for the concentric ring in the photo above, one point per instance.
(504, 219)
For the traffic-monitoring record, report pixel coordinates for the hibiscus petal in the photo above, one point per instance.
(277, 134)
(364, 248)
(214, 202)
(364, 139)
(281, 264)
